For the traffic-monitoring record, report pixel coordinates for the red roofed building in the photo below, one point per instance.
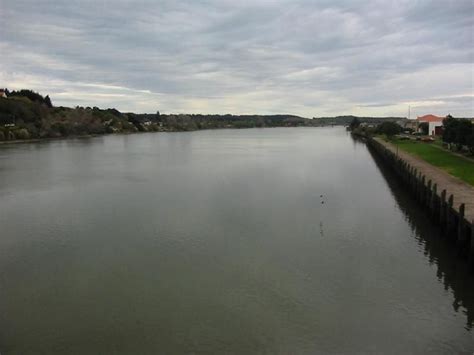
(3, 93)
(435, 124)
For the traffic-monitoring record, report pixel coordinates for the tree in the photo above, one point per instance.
(355, 123)
(458, 131)
(389, 128)
(424, 126)
(32, 96)
(450, 127)
(463, 131)
(48, 102)
(470, 140)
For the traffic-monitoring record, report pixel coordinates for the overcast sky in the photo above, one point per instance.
(308, 57)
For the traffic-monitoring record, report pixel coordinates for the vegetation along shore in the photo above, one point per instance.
(26, 115)
(438, 170)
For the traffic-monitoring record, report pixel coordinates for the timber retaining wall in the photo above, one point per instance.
(438, 204)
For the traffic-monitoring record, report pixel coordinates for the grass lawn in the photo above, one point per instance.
(455, 165)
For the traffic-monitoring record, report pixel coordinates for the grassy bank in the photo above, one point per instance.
(458, 166)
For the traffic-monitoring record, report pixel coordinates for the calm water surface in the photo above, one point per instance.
(219, 242)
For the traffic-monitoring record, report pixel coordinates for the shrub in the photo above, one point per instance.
(22, 133)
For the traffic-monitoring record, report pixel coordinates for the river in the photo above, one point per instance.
(282, 240)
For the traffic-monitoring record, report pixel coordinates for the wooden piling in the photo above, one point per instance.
(462, 235)
(439, 206)
(434, 202)
(423, 189)
(471, 248)
(442, 209)
(450, 216)
(428, 195)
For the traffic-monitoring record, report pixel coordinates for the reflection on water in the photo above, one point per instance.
(452, 270)
(228, 241)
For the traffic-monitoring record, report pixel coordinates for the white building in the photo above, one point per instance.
(435, 124)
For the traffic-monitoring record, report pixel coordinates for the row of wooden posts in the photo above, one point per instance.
(438, 204)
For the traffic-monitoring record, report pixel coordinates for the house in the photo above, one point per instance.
(3, 93)
(435, 124)
(408, 125)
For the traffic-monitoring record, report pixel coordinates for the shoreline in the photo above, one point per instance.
(448, 201)
(49, 139)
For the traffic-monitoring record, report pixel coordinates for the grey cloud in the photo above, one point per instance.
(247, 56)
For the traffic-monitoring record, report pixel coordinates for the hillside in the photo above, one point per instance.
(28, 115)
(25, 114)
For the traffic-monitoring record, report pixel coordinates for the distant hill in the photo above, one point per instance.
(186, 122)
(25, 114)
(28, 115)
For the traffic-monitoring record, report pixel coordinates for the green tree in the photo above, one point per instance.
(355, 123)
(388, 128)
(470, 140)
(458, 131)
(424, 126)
(463, 131)
(450, 126)
(48, 102)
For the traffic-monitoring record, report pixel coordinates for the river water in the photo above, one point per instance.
(283, 240)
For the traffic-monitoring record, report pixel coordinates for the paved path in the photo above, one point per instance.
(462, 192)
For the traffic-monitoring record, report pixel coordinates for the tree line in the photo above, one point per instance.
(458, 132)
(31, 95)
(26, 114)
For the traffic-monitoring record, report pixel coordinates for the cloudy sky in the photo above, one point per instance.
(306, 57)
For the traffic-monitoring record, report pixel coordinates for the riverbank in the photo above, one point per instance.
(38, 140)
(52, 139)
(55, 139)
(462, 192)
(454, 164)
(449, 200)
